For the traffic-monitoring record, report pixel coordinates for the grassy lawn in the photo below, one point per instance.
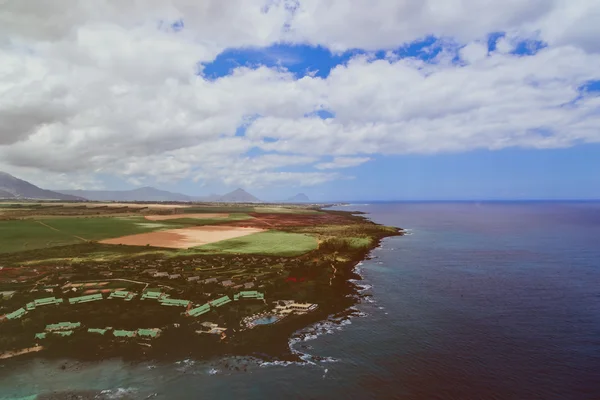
(286, 210)
(270, 243)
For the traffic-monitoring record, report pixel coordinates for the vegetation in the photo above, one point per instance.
(308, 257)
(271, 243)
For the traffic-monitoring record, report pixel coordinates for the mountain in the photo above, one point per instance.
(299, 198)
(238, 196)
(11, 187)
(141, 194)
(6, 195)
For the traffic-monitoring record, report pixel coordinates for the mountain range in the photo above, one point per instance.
(15, 188)
(153, 194)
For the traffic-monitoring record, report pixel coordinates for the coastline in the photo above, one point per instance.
(270, 343)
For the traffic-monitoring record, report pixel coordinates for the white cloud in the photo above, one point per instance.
(110, 88)
(343, 162)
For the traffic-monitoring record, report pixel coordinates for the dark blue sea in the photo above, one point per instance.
(480, 301)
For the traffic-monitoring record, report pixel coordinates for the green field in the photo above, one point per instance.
(271, 243)
(17, 235)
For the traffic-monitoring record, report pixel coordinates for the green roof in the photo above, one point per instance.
(249, 295)
(123, 333)
(16, 314)
(64, 333)
(149, 332)
(174, 302)
(47, 300)
(85, 299)
(203, 309)
(153, 295)
(63, 325)
(121, 294)
(41, 335)
(220, 301)
(97, 330)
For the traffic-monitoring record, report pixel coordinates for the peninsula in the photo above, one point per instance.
(92, 280)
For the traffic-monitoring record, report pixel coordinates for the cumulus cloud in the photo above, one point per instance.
(115, 88)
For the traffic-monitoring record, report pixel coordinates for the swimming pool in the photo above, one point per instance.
(265, 320)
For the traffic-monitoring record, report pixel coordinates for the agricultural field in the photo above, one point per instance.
(183, 238)
(274, 243)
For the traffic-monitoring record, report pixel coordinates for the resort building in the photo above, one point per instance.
(62, 326)
(249, 295)
(122, 294)
(123, 333)
(41, 335)
(195, 312)
(227, 283)
(174, 302)
(193, 278)
(209, 280)
(63, 333)
(175, 276)
(97, 330)
(85, 299)
(248, 285)
(42, 302)
(160, 274)
(220, 301)
(154, 296)
(16, 314)
(151, 333)
(302, 307)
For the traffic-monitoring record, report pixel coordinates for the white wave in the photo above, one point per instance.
(213, 371)
(118, 393)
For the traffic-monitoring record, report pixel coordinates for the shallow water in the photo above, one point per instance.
(481, 301)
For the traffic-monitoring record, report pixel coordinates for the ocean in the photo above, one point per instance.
(481, 300)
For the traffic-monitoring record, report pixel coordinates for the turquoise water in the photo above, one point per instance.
(266, 320)
(482, 301)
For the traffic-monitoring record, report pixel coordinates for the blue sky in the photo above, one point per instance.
(384, 100)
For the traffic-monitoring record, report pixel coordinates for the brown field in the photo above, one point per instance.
(178, 216)
(184, 238)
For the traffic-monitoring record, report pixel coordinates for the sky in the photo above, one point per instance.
(341, 100)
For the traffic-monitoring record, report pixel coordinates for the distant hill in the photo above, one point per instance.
(15, 188)
(299, 198)
(141, 194)
(6, 195)
(238, 196)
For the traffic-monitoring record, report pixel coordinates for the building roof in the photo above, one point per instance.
(121, 294)
(16, 314)
(64, 333)
(85, 299)
(62, 325)
(97, 330)
(252, 294)
(203, 309)
(123, 333)
(174, 302)
(41, 335)
(154, 332)
(153, 295)
(220, 301)
(47, 300)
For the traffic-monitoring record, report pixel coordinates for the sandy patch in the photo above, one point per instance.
(184, 238)
(179, 216)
